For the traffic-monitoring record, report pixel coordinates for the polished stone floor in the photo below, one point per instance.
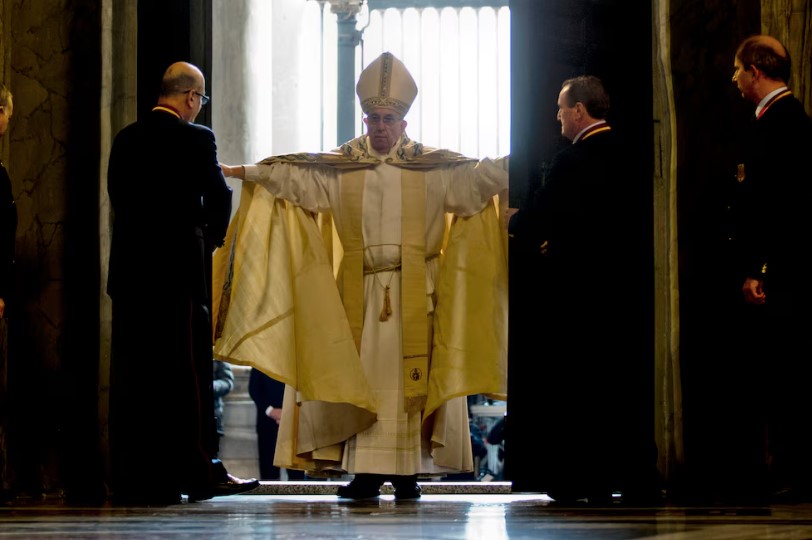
(283, 510)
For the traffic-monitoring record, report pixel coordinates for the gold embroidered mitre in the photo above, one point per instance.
(386, 83)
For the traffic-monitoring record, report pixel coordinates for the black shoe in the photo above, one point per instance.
(228, 484)
(405, 487)
(199, 495)
(362, 487)
(565, 496)
(404, 493)
(232, 485)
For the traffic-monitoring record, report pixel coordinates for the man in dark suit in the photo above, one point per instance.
(584, 226)
(773, 229)
(171, 207)
(268, 394)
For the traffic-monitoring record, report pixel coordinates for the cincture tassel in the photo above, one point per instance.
(387, 305)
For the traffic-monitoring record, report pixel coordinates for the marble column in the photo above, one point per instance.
(118, 106)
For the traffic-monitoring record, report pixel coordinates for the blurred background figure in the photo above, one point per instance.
(267, 394)
(222, 384)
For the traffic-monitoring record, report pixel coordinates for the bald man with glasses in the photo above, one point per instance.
(171, 207)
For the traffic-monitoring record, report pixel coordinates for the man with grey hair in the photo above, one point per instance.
(585, 227)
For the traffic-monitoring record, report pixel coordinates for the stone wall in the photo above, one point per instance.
(789, 21)
(51, 62)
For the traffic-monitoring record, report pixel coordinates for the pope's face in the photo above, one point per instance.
(384, 127)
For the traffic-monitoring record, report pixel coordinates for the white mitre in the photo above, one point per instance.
(386, 83)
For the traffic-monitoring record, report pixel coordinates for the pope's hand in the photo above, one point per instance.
(234, 172)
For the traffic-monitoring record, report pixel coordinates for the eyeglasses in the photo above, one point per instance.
(204, 99)
(387, 120)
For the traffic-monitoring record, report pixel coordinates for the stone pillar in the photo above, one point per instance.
(242, 107)
(348, 40)
(239, 447)
(242, 99)
(667, 385)
(117, 109)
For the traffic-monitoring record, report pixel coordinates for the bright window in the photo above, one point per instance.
(459, 57)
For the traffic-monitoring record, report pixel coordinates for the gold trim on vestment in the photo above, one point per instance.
(352, 264)
(355, 155)
(413, 275)
(413, 290)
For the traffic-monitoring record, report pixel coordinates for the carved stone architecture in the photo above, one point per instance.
(82, 69)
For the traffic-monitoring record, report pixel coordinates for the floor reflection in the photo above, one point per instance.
(437, 516)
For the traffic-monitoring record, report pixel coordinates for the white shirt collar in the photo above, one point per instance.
(575, 140)
(767, 98)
